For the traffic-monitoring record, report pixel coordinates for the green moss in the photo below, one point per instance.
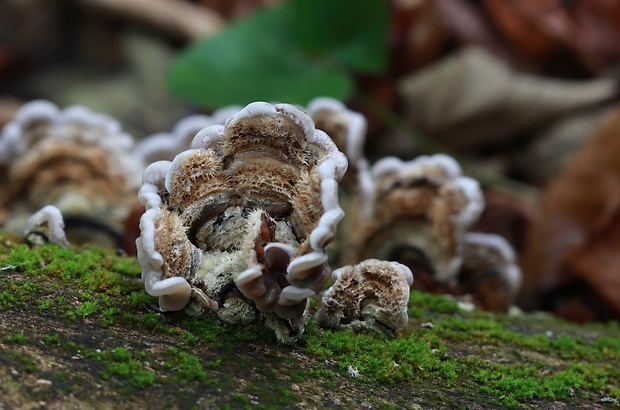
(241, 398)
(88, 308)
(126, 368)
(51, 339)
(20, 258)
(25, 361)
(108, 315)
(44, 304)
(425, 355)
(496, 357)
(17, 292)
(322, 374)
(377, 359)
(184, 366)
(18, 339)
(420, 304)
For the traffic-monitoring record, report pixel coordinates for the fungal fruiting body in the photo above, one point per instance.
(489, 271)
(46, 225)
(345, 127)
(369, 296)
(239, 222)
(166, 145)
(74, 159)
(416, 213)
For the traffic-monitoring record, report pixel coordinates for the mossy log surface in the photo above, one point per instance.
(78, 331)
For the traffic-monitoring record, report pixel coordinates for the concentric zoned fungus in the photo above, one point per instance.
(369, 296)
(74, 159)
(417, 214)
(240, 221)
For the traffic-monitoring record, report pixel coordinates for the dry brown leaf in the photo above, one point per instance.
(468, 25)
(597, 24)
(506, 215)
(551, 148)
(472, 100)
(587, 32)
(417, 35)
(535, 28)
(573, 249)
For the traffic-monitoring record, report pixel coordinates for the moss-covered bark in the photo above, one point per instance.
(78, 331)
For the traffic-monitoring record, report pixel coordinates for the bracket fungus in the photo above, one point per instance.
(489, 271)
(346, 128)
(74, 159)
(46, 225)
(416, 213)
(239, 222)
(369, 296)
(166, 145)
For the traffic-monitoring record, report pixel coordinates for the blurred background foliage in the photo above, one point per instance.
(523, 92)
(291, 52)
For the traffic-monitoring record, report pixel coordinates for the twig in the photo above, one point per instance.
(486, 176)
(181, 19)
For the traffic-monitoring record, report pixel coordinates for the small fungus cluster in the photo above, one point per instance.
(240, 208)
(74, 159)
(242, 218)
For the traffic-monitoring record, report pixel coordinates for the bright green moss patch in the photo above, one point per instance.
(573, 366)
(19, 292)
(455, 359)
(75, 283)
(184, 365)
(126, 367)
(420, 304)
(18, 339)
(377, 359)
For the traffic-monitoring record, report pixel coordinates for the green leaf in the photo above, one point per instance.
(255, 59)
(293, 53)
(352, 32)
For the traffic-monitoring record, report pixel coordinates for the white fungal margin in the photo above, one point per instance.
(93, 128)
(36, 110)
(406, 272)
(207, 136)
(325, 230)
(356, 125)
(475, 200)
(173, 292)
(512, 273)
(153, 180)
(49, 219)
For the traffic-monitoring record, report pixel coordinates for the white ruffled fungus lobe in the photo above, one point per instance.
(416, 212)
(345, 127)
(369, 296)
(166, 145)
(48, 223)
(72, 158)
(243, 218)
(490, 272)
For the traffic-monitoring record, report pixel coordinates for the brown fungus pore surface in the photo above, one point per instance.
(416, 213)
(369, 296)
(74, 159)
(255, 201)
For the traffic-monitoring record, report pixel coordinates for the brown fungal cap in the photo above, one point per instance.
(489, 271)
(421, 207)
(74, 159)
(369, 296)
(166, 145)
(47, 223)
(253, 202)
(346, 128)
